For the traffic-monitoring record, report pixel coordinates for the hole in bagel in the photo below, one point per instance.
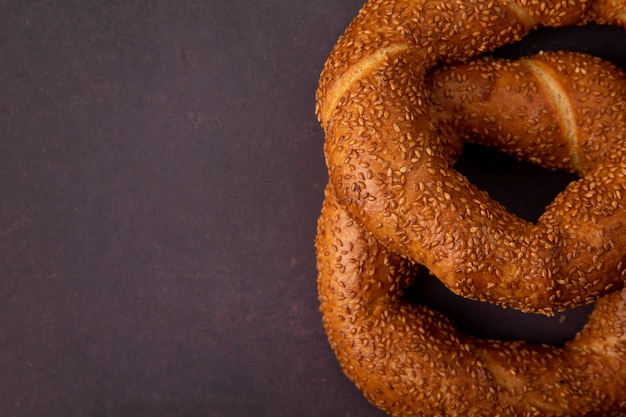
(489, 321)
(524, 189)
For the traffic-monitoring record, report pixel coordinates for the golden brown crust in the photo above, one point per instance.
(610, 12)
(557, 109)
(561, 110)
(409, 360)
(392, 170)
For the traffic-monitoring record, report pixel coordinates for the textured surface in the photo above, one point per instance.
(161, 175)
(391, 168)
(409, 360)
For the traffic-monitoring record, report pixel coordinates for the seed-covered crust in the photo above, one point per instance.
(409, 360)
(390, 162)
(560, 110)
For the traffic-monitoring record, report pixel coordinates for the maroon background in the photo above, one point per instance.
(161, 173)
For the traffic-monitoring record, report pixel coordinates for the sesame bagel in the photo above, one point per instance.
(560, 110)
(391, 144)
(410, 360)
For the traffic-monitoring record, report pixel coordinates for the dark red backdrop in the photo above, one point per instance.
(161, 173)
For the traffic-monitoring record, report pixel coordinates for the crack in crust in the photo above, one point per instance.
(354, 73)
(521, 14)
(565, 117)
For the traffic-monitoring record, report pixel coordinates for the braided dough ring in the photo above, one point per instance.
(393, 171)
(409, 360)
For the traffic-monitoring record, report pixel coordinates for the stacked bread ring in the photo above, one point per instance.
(401, 92)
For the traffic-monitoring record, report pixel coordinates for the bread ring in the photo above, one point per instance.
(409, 360)
(560, 110)
(392, 169)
